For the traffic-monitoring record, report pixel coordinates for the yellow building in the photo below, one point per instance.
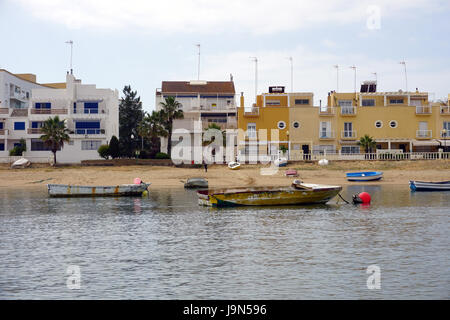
(399, 122)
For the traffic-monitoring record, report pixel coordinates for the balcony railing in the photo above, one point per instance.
(88, 132)
(445, 110)
(423, 110)
(348, 111)
(90, 111)
(2, 132)
(423, 134)
(445, 134)
(4, 110)
(328, 111)
(34, 131)
(325, 135)
(254, 112)
(48, 111)
(346, 134)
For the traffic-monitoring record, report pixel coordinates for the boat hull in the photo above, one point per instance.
(364, 176)
(62, 190)
(260, 196)
(194, 183)
(429, 186)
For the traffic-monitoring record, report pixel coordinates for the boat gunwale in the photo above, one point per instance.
(274, 189)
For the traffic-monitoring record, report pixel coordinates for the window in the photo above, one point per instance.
(302, 101)
(1, 125)
(87, 127)
(19, 125)
(251, 130)
(273, 102)
(90, 144)
(71, 143)
(446, 127)
(39, 145)
(43, 105)
(378, 124)
(368, 102)
(37, 124)
(214, 105)
(396, 101)
(350, 149)
(296, 125)
(393, 124)
(345, 103)
(321, 149)
(2, 146)
(348, 130)
(74, 107)
(281, 125)
(415, 102)
(91, 107)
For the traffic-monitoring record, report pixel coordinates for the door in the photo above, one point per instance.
(325, 129)
(348, 129)
(305, 149)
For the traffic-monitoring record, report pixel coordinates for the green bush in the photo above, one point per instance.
(162, 155)
(114, 147)
(20, 149)
(103, 151)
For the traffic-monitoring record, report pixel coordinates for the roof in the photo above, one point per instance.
(187, 87)
(30, 77)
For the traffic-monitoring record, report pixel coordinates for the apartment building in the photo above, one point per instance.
(90, 114)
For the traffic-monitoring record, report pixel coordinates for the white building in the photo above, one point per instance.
(91, 115)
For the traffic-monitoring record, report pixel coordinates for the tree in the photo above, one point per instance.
(152, 128)
(171, 110)
(103, 151)
(54, 135)
(367, 143)
(130, 115)
(114, 147)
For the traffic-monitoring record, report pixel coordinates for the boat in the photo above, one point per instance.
(364, 176)
(280, 162)
(291, 173)
(295, 194)
(234, 165)
(64, 190)
(192, 183)
(21, 164)
(429, 186)
(323, 162)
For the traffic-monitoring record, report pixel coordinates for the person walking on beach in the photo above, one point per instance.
(205, 165)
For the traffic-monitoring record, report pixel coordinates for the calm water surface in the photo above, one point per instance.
(167, 247)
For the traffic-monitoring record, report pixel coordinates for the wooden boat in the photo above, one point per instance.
(291, 173)
(196, 183)
(280, 162)
(64, 190)
(364, 176)
(429, 186)
(234, 165)
(297, 193)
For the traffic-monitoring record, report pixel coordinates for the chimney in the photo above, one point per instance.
(242, 100)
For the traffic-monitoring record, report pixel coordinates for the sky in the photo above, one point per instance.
(142, 43)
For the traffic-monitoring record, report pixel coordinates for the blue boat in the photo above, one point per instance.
(364, 176)
(429, 186)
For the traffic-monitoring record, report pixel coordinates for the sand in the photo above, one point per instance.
(395, 172)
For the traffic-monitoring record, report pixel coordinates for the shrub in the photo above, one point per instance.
(114, 148)
(19, 149)
(162, 155)
(103, 151)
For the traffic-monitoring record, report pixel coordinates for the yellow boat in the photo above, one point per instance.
(297, 193)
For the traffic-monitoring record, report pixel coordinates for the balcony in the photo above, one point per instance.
(423, 134)
(4, 111)
(254, 112)
(348, 111)
(2, 132)
(349, 135)
(326, 135)
(423, 110)
(48, 111)
(34, 131)
(87, 133)
(328, 111)
(445, 110)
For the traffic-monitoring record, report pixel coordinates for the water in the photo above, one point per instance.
(167, 247)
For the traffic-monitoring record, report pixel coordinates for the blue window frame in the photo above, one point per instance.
(19, 125)
(87, 127)
(74, 107)
(91, 107)
(1, 125)
(36, 124)
(43, 105)
(2, 147)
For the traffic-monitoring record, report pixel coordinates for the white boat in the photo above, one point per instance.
(21, 163)
(196, 183)
(64, 190)
(280, 162)
(364, 176)
(323, 162)
(429, 186)
(234, 165)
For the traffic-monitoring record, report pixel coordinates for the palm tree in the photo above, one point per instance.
(367, 142)
(171, 110)
(54, 135)
(151, 127)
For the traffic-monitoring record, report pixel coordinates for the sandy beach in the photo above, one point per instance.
(395, 172)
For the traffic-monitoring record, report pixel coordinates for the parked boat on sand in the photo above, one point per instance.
(429, 186)
(196, 183)
(297, 193)
(364, 176)
(234, 165)
(64, 190)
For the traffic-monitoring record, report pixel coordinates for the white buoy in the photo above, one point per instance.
(323, 162)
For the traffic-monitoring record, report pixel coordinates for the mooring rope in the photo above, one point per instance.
(343, 199)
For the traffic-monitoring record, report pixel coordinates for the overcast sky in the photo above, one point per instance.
(142, 43)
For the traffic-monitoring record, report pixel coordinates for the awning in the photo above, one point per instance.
(419, 143)
(445, 142)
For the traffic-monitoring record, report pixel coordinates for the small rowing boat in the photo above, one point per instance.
(64, 190)
(364, 176)
(192, 183)
(280, 162)
(297, 193)
(234, 165)
(429, 186)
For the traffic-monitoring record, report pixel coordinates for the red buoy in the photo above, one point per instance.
(365, 197)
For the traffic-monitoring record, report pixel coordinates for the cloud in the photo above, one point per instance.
(210, 17)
